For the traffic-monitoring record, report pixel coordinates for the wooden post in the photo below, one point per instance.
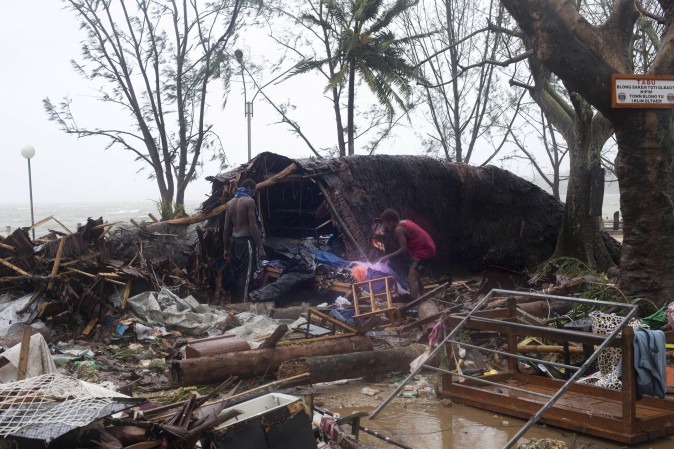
(57, 262)
(629, 393)
(25, 352)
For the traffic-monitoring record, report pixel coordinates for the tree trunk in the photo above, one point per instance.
(584, 57)
(580, 235)
(208, 370)
(340, 126)
(349, 366)
(351, 105)
(645, 171)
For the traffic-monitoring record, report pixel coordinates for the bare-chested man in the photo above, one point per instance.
(243, 244)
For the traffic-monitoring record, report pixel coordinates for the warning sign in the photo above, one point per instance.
(642, 91)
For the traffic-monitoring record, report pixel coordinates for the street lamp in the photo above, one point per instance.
(248, 112)
(28, 152)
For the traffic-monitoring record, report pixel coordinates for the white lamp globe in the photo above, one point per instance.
(28, 152)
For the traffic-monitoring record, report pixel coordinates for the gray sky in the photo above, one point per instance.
(38, 38)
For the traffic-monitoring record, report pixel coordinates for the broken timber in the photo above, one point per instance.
(348, 366)
(213, 369)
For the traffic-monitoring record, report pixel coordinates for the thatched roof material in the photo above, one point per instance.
(478, 216)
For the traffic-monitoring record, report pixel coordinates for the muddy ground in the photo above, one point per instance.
(426, 422)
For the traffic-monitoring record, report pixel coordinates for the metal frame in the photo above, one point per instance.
(472, 317)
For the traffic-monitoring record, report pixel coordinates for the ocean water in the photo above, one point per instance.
(71, 214)
(14, 216)
(610, 206)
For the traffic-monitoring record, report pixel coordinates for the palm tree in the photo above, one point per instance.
(366, 46)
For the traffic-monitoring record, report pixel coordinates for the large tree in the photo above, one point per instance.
(585, 133)
(584, 56)
(154, 60)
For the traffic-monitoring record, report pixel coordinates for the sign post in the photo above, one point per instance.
(642, 91)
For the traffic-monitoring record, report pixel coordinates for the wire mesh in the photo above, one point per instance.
(52, 399)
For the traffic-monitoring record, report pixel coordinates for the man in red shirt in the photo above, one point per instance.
(414, 240)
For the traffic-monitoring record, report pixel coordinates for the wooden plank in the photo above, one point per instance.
(289, 170)
(107, 225)
(14, 267)
(62, 225)
(429, 319)
(84, 273)
(57, 262)
(25, 352)
(275, 384)
(90, 326)
(8, 247)
(518, 408)
(127, 292)
(629, 394)
(423, 297)
(583, 408)
(324, 316)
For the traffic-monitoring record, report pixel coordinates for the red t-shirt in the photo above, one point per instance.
(419, 244)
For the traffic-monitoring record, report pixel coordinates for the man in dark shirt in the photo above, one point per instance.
(242, 241)
(413, 240)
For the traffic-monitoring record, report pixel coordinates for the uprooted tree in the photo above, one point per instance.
(584, 56)
(154, 60)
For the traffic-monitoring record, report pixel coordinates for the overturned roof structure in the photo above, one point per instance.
(478, 216)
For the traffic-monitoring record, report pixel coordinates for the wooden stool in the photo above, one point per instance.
(390, 288)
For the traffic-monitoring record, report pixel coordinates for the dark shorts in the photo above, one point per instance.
(419, 265)
(244, 263)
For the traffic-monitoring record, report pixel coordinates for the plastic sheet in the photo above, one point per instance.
(186, 315)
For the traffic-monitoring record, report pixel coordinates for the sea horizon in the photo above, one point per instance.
(74, 213)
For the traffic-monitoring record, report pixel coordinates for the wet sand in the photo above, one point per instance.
(430, 423)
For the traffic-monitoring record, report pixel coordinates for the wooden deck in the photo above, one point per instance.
(612, 414)
(591, 410)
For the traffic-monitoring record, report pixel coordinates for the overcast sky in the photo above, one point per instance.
(38, 38)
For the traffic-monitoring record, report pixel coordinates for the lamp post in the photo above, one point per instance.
(28, 152)
(248, 111)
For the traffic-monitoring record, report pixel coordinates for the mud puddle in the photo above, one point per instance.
(426, 422)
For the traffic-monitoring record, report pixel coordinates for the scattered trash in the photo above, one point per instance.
(369, 391)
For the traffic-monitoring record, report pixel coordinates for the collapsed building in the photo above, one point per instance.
(478, 216)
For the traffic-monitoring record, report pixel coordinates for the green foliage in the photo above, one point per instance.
(566, 266)
(362, 44)
(169, 210)
(366, 45)
(598, 287)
